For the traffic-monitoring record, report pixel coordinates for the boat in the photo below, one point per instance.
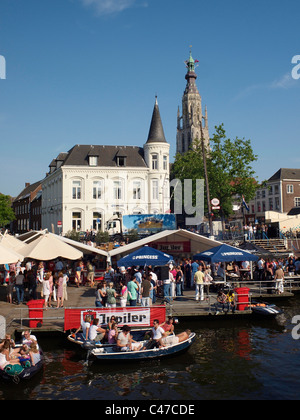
(109, 353)
(265, 309)
(24, 374)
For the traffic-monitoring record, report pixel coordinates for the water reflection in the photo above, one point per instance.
(234, 359)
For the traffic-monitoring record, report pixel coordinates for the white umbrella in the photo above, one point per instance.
(48, 247)
(10, 241)
(9, 256)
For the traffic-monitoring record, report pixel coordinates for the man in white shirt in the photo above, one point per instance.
(157, 334)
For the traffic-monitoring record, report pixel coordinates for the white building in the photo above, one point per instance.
(88, 185)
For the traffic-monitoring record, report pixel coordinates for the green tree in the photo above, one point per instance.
(229, 168)
(7, 214)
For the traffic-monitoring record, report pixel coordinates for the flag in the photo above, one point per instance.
(245, 204)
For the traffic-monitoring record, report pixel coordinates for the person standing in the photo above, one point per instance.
(60, 290)
(194, 266)
(111, 296)
(199, 283)
(145, 291)
(19, 285)
(133, 288)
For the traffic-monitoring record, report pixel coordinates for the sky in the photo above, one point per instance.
(87, 72)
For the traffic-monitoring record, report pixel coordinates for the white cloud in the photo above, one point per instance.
(108, 7)
(285, 82)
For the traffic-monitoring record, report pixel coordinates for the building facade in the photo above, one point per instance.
(189, 123)
(27, 208)
(90, 184)
(280, 194)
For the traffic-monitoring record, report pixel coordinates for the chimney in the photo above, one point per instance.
(27, 184)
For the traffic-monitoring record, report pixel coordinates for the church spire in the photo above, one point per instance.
(156, 132)
(189, 124)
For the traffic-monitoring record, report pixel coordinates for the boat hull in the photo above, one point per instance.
(109, 353)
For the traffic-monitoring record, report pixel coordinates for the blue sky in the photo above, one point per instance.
(87, 72)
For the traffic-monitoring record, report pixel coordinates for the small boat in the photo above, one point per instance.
(24, 374)
(265, 309)
(109, 353)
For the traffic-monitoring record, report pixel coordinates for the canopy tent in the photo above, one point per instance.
(166, 240)
(225, 253)
(9, 256)
(47, 247)
(145, 256)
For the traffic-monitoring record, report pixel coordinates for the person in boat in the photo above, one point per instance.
(5, 355)
(157, 334)
(125, 341)
(168, 326)
(85, 327)
(24, 356)
(28, 338)
(34, 353)
(176, 339)
(96, 333)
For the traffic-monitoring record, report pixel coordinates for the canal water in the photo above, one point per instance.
(231, 359)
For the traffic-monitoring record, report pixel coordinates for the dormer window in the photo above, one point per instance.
(121, 161)
(93, 160)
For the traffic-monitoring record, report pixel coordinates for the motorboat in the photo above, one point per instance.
(110, 353)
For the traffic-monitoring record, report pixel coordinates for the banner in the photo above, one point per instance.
(137, 316)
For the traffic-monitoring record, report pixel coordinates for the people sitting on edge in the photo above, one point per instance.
(96, 333)
(231, 301)
(168, 326)
(221, 301)
(85, 327)
(113, 333)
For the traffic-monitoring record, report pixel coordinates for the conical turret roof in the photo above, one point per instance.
(156, 132)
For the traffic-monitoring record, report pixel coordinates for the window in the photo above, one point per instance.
(271, 203)
(154, 162)
(155, 193)
(97, 190)
(93, 160)
(137, 190)
(297, 201)
(276, 189)
(258, 207)
(76, 221)
(290, 189)
(117, 190)
(165, 163)
(76, 190)
(271, 190)
(277, 203)
(121, 161)
(97, 221)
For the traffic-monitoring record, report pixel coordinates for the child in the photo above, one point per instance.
(24, 356)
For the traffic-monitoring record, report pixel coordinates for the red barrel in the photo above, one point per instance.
(242, 298)
(36, 311)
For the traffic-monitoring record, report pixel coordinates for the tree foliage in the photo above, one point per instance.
(229, 167)
(7, 214)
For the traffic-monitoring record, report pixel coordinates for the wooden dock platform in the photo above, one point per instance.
(184, 307)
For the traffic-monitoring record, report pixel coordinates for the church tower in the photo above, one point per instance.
(189, 124)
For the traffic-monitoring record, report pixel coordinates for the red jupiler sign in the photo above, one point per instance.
(137, 316)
